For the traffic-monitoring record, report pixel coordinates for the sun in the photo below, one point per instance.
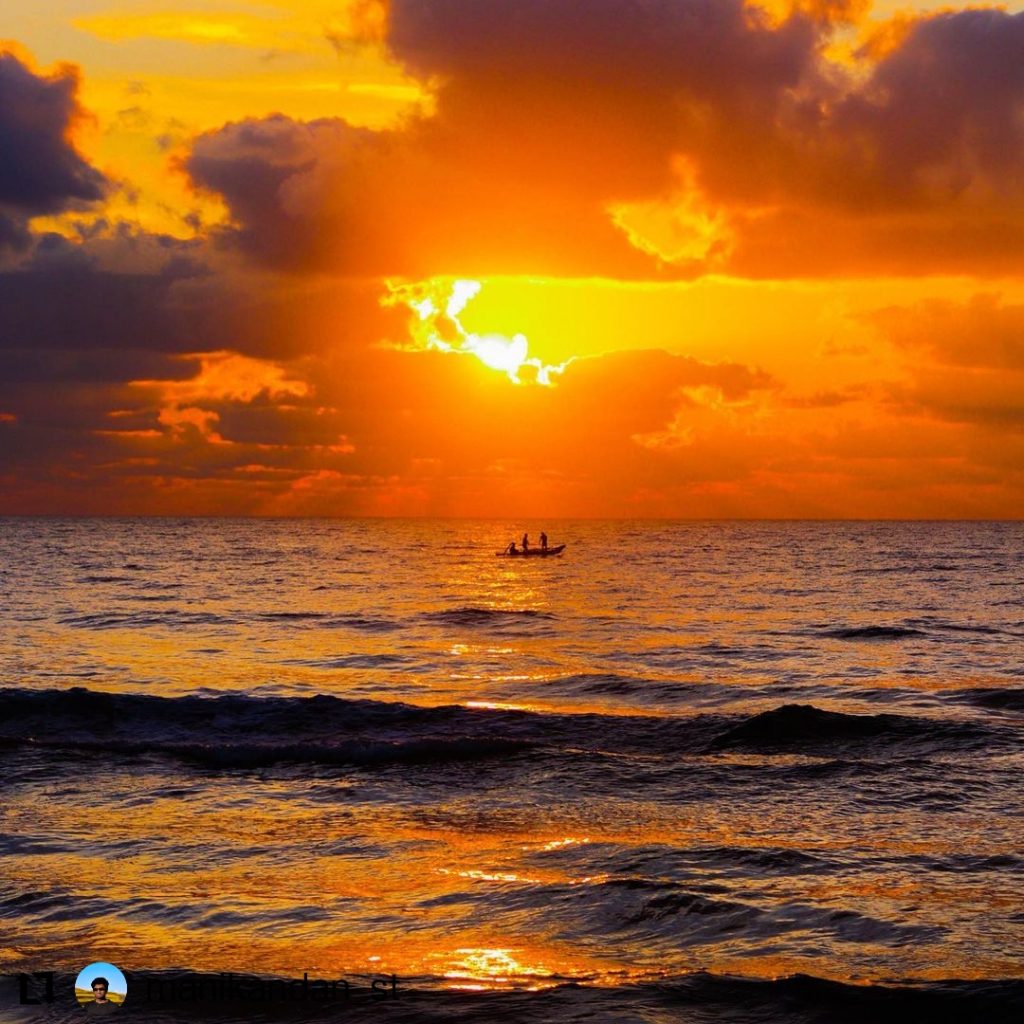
(438, 304)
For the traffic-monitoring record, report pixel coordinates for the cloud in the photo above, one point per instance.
(344, 429)
(126, 290)
(469, 437)
(223, 378)
(133, 363)
(645, 140)
(41, 171)
(911, 164)
(93, 366)
(243, 370)
(72, 302)
(939, 118)
(990, 401)
(324, 195)
(966, 360)
(982, 333)
(542, 120)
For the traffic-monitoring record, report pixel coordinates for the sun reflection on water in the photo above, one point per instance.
(481, 968)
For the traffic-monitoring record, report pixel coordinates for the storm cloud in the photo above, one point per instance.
(40, 169)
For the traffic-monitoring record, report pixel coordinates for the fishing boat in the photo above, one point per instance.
(532, 552)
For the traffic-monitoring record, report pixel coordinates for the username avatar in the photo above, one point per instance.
(100, 1003)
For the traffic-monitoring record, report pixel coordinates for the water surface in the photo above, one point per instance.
(753, 750)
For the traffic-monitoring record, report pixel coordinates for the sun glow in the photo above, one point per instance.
(479, 969)
(438, 305)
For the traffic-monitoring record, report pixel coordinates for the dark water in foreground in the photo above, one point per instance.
(691, 772)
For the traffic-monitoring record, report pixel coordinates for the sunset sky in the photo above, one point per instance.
(534, 258)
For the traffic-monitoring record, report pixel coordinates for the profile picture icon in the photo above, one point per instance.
(100, 988)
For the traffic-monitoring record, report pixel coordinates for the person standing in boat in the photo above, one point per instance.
(526, 542)
(543, 541)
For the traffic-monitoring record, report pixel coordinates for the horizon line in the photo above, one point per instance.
(533, 518)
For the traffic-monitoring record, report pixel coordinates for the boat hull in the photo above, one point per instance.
(533, 552)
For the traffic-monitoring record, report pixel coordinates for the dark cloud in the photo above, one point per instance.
(86, 307)
(325, 195)
(13, 233)
(266, 423)
(933, 123)
(127, 292)
(610, 53)
(40, 170)
(545, 119)
(118, 365)
(135, 358)
(939, 119)
(92, 366)
(263, 168)
(542, 119)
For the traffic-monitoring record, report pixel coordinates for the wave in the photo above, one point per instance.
(803, 727)
(683, 863)
(239, 730)
(966, 863)
(651, 917)
(474, 616)
(970, 627)
(669, 916)
(871, 632)
(291, 616)
(173, 618)
(332, 620)
(595, 684)
(264, 755)
(344, 661)
(636, 689)
(632, 691)
(996, 698)
(173, 995)
(913, 628)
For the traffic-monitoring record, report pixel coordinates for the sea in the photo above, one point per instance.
(363, 770)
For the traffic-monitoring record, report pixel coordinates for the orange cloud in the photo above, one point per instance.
(677, 140)
(232, 377)
(251, 368)
(966, 361)
(984, 333)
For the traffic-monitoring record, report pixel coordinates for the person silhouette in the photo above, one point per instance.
(543, 541)
(526, 542)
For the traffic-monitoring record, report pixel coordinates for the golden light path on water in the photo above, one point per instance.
(236, 910)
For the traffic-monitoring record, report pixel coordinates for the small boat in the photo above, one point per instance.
(532, 552)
